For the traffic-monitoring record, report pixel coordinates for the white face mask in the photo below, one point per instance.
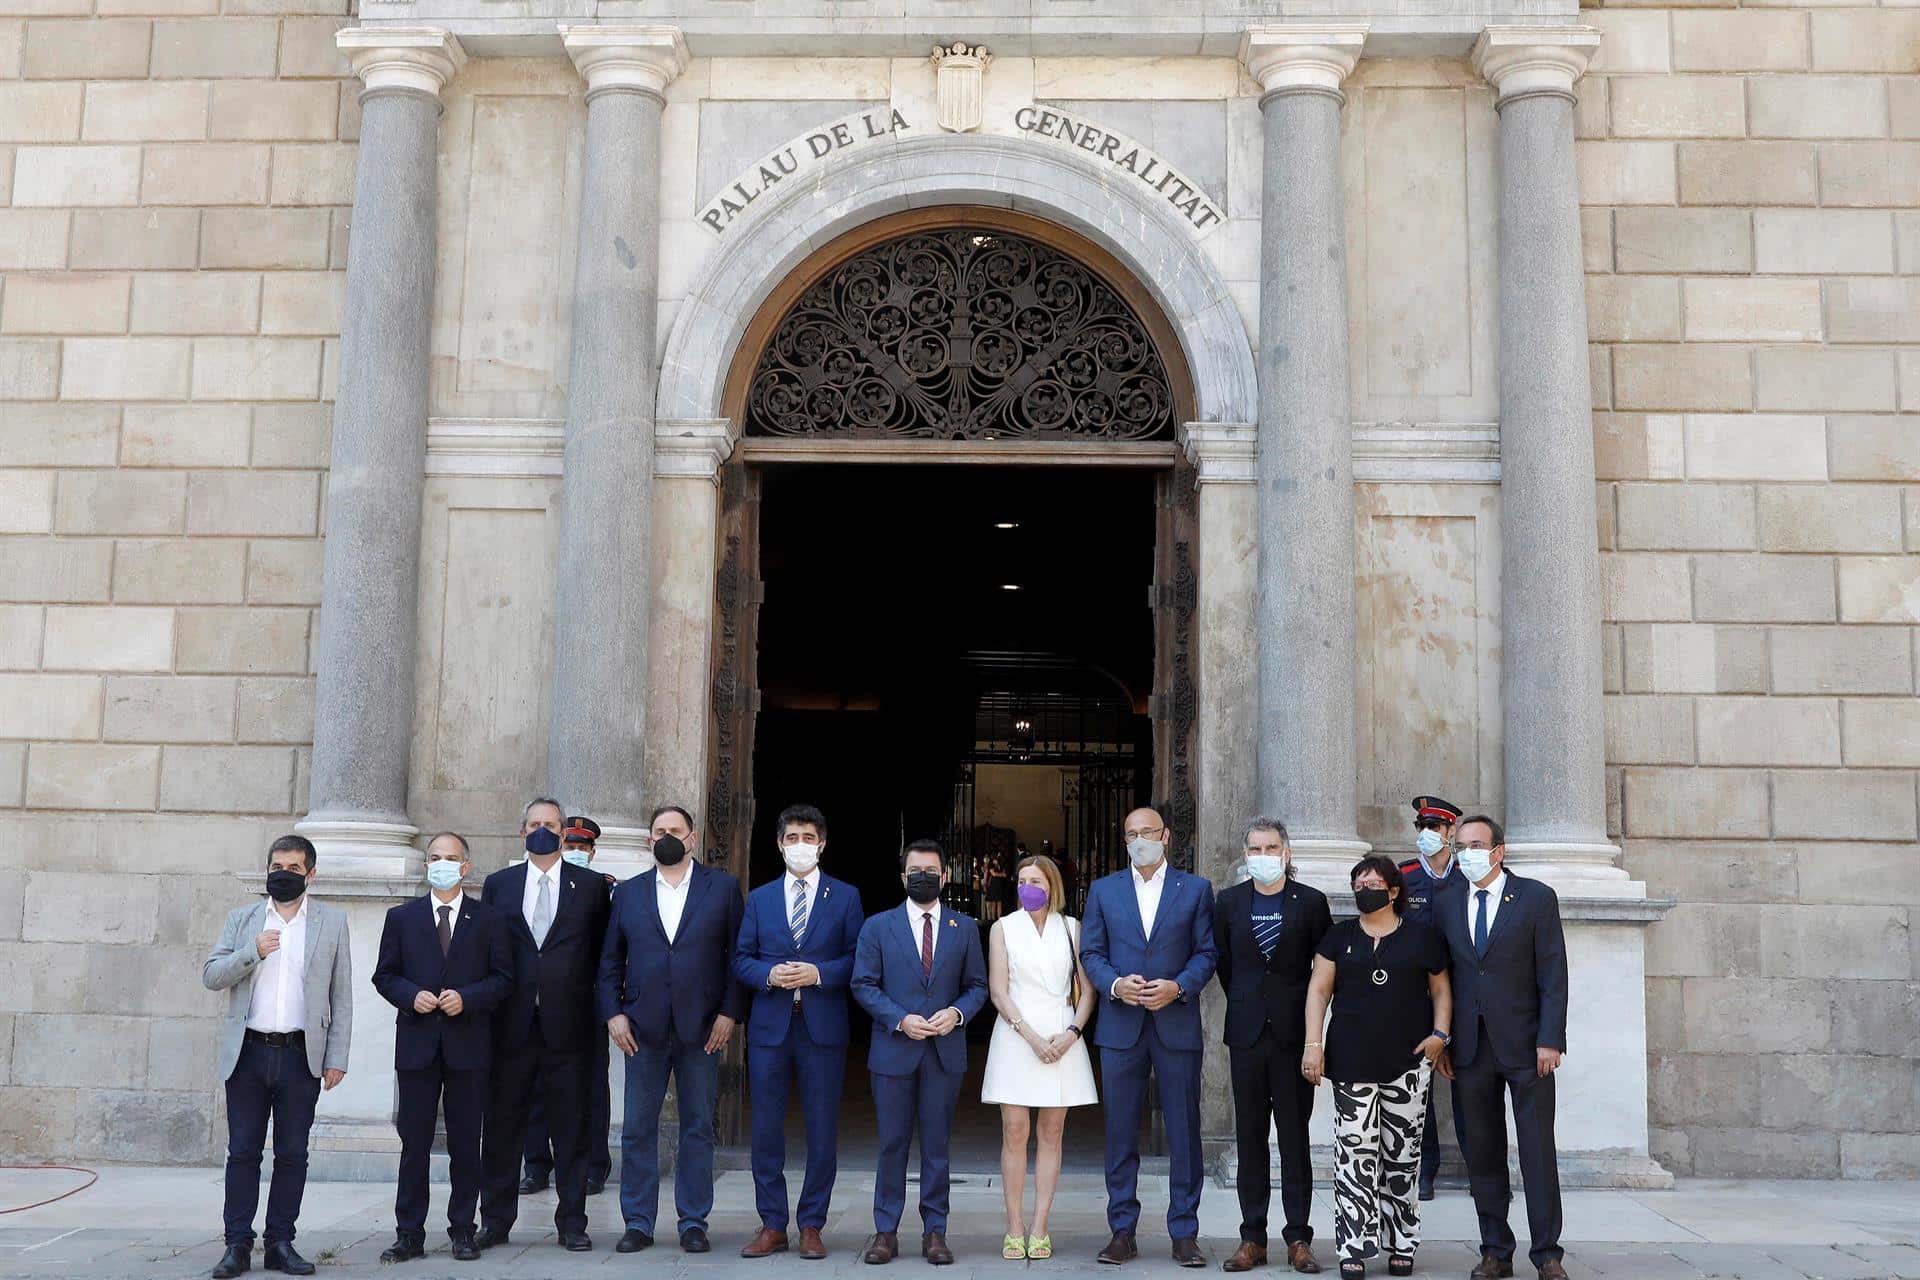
(578, 857)
(801, 858)
(1430, 842)
(1145, 852)
(1477, 863)
(1267, 868)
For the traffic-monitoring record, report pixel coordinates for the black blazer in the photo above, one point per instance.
(561, 973)
(1518, 990)
(479, 965)
(678, 986)
(1263, 991)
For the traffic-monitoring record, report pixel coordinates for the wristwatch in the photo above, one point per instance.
(1075, 1028)
(1443, 1037)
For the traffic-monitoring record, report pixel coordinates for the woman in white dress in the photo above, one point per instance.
(1038, 1058)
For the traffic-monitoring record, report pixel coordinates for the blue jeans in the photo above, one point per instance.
(696, 1075)
(268, 1082)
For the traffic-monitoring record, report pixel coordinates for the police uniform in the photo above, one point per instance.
(1421, 888)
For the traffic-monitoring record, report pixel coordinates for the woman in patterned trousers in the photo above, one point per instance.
(1392, 1007)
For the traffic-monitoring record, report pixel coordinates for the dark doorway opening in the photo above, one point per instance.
(961, 652)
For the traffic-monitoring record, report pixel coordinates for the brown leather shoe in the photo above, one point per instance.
(1248, 1256)
(767, 1242)
(1187, 1253)
(1118, 1249)
(1300, 1258)
(1491, 1268)
(882, 1247)
(813, 1250)
(933, 1247)
(1552, 1270)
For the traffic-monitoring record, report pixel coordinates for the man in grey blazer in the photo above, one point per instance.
(285, 967)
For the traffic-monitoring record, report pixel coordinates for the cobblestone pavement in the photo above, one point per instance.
(144, 1222)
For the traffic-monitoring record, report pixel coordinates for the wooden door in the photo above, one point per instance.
(1176, 656)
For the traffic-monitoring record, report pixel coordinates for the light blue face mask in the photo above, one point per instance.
(1476, 863)
(1267, 867)
(1430, 842)
(442, 874)
(578, 857)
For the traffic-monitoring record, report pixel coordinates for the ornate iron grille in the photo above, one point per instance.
(962, 334)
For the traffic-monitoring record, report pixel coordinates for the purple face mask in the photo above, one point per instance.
(1033, 897)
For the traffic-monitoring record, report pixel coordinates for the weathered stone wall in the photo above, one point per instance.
(1750, 181)
(173, 183)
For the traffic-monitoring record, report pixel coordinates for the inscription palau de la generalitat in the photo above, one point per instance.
(879, 123)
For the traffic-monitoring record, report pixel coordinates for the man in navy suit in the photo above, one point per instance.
(795, 953)
(670, 1002)
(446, 965)
(1509, 1030)
(1147, 943)
(546, 1035)
(919, 973)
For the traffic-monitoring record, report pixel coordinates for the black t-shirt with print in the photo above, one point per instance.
(1381, 1009)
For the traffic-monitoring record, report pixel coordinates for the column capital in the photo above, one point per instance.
(1520, 61)
(692, 448)
(1222, 452)
(422, 59)
(1296, 58)
(628, 58)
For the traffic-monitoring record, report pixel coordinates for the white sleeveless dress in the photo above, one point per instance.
(1039, 979)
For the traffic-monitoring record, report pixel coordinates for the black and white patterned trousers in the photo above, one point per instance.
(1376, 1174)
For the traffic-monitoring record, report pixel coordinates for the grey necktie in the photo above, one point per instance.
(446, 930)
(542, 912)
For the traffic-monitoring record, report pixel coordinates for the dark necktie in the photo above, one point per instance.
(926, 945)
(1480, 923)
(446, 929)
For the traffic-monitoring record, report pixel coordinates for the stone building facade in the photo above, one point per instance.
(412, 273)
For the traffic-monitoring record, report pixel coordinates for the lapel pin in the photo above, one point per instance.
(1508, 898)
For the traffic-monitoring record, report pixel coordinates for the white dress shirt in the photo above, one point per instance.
(672, 900)
(453, 916)
(532, 894)
(1147, 894)
(915, 913)
(1494, 894)
(280, 987)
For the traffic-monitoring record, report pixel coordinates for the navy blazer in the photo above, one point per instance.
(1113, 945)
(478, 964)
(833, 930)
(1267, 993)
(678, 986)
(1518, 990)
(563, 972)
(888, 984)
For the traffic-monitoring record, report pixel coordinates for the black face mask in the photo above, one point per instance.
(1370, 900)
(285, 886)
(542, 841)
(923, 886)
(668, 851)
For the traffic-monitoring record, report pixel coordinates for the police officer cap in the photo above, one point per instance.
(1433, 808)
(579, 830)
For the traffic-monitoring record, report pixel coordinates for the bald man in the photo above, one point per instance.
(1147, 941)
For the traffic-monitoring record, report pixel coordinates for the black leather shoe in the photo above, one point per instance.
(531, 1185)
(489, 1238)
(464, 1249)
(1426, 1191)
(596, 1185)
(633, 1241)
(575, 1242)
(404, 1250)
(282, 1258)
(694, 1240)
(1118, 1249)
(1187, 1253)
(237, 1258)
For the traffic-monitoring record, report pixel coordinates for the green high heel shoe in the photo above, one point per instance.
(1013, 1249)
(1040, 1247)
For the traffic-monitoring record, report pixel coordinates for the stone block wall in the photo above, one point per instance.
(1751, 177)
(174, 183)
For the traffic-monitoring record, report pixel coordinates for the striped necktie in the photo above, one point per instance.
(797, 921)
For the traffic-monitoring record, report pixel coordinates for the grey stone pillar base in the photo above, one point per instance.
(1324, 864)
(372, 851)
(1590, 870)
(623, 852)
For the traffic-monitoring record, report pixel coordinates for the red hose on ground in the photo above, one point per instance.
(92, 1178)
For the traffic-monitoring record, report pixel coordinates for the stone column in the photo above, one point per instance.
(596, 754)
(1304, 614)
(363, 697)
(1223, 457)
(1555, 774)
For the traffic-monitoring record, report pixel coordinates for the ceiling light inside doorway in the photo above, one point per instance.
(1007, 524)
(1009, 586)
